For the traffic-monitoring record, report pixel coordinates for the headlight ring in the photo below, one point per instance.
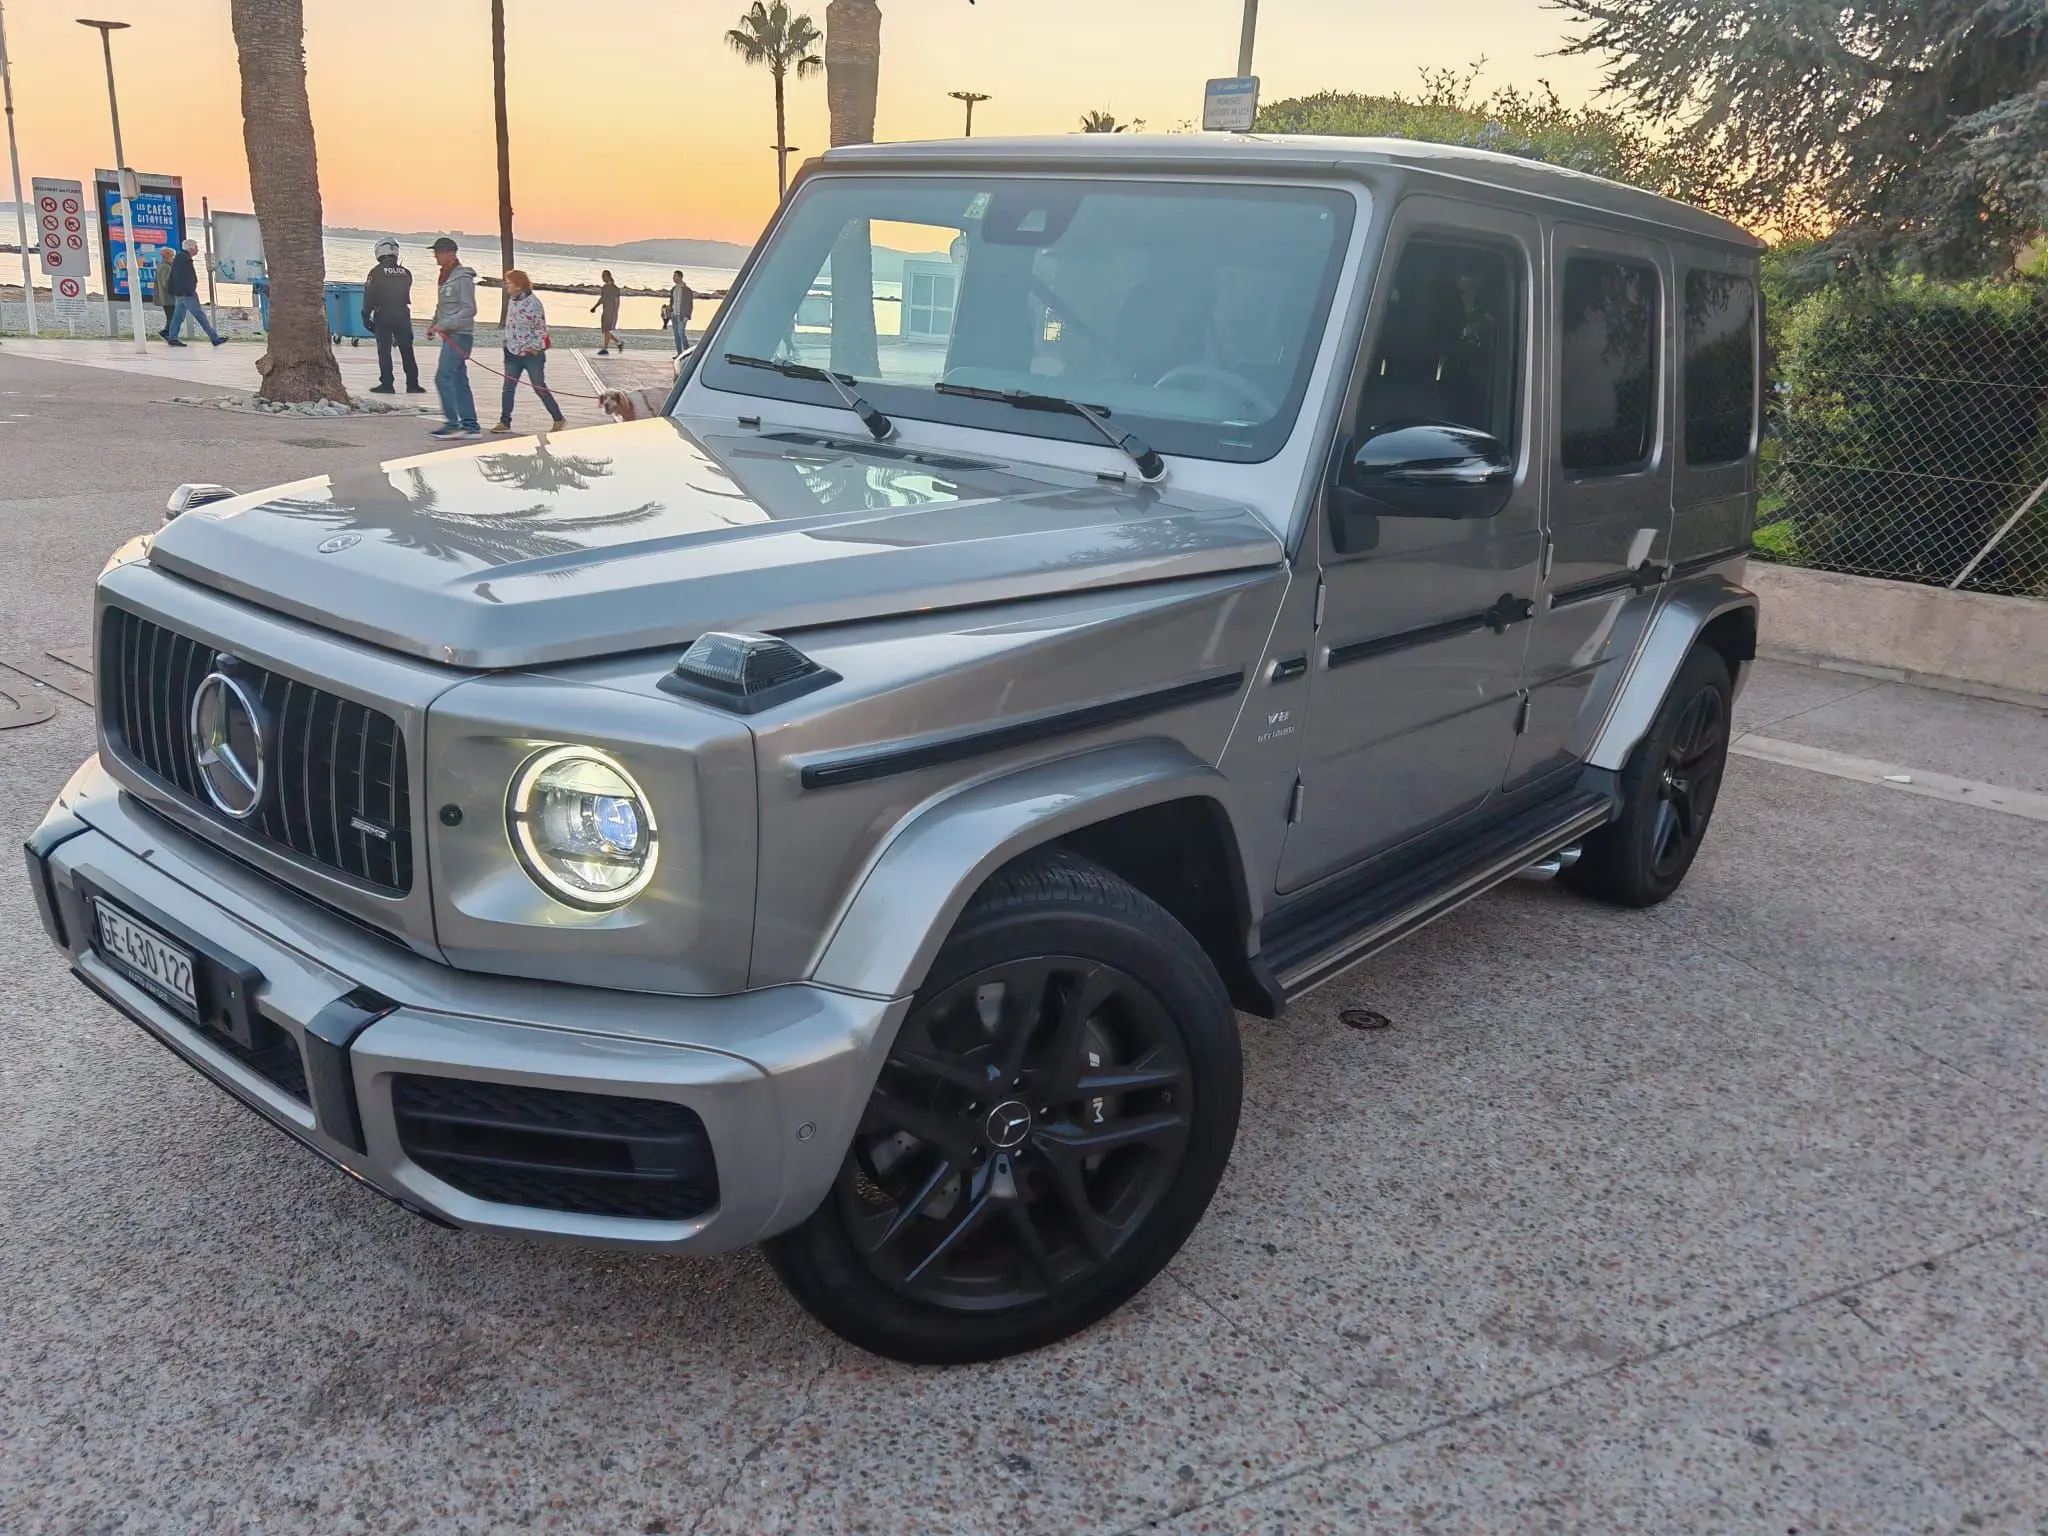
(582, 827)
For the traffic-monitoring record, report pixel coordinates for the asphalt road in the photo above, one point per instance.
(1728, 1215)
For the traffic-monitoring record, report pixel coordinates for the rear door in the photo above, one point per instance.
(1413, 692)
(1714, 480)
(1608, 513)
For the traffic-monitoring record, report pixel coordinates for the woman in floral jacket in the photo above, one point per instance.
(526, 342)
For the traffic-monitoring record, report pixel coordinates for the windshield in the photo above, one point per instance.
(1186, 312)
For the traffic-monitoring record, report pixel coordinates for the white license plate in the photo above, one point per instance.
(147, 958)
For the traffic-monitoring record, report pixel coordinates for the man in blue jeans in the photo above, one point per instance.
(184, 291)
(455, 323)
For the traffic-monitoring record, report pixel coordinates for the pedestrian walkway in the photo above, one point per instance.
(232, 370)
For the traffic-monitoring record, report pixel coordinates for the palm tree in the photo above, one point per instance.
(506, 259)
(284, 180)
(768, 34)
(853, 74)
(1101, 121)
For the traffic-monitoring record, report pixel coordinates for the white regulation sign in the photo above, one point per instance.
(60, 231)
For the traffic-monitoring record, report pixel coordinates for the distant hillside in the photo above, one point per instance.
(683, 253)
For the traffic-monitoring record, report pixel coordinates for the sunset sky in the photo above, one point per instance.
(634, 120)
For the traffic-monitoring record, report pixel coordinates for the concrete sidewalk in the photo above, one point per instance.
(231, 369)
(1727, 1215)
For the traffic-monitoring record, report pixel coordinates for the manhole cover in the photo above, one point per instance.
(1364, 1018)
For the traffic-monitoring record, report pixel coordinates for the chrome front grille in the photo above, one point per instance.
(336, 792)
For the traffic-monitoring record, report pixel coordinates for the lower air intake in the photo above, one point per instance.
(592, 1153)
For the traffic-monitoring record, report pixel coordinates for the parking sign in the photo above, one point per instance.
(1230, 105)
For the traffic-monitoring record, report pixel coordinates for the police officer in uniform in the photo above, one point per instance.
(387, 314)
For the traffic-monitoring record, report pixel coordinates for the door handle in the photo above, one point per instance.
(1508, 609)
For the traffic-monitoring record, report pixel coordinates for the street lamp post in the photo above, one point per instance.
(28, 284)
(107, 29)
(970, 98)
(1244, 38)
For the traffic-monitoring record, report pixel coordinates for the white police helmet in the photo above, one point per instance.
(386, 247)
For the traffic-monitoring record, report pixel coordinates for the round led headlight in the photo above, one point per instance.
(582, 827)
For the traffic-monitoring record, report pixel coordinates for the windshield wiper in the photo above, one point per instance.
(1151, 468)
(881, 426)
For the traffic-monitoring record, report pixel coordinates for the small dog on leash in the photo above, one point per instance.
(632, 404)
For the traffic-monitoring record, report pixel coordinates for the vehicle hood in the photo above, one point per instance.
(646, 534)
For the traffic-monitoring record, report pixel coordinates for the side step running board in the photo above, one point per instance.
(1309, 950)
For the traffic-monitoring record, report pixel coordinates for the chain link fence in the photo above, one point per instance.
(1907, 436)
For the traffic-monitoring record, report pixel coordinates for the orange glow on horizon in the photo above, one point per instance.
(637, 122)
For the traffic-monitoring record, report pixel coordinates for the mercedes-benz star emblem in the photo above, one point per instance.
(1008, 1124)
(227, 744)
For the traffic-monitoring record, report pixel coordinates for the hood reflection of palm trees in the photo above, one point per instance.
(538, 469)
(407, 513)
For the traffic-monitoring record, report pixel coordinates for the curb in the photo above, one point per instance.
(1974, 643)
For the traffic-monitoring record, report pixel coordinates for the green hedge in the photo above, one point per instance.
(1910, 418)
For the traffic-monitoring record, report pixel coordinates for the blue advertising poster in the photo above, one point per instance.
(159, 227)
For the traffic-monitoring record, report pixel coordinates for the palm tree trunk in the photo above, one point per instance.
(853, 68)
(505, 254)
(284, 180)
(853, 71)
(781, 142)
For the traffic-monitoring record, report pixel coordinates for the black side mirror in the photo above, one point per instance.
(1426, 469)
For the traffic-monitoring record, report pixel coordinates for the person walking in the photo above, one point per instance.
(607, 311)
(681, 301)
(180, 281)
(526, 349)
(455, 323)
(160, 279)
(387, 315)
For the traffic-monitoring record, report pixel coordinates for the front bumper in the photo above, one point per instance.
(347, 1024)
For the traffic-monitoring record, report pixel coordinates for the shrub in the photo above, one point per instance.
(1535, 125)
(1911, 420)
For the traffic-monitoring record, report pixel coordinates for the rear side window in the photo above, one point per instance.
(1720, 367)
(1607, 406)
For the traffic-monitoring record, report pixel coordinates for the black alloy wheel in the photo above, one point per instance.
(1689, 780)
(1049, 1124)
(1031, 1116)
(1668, 790)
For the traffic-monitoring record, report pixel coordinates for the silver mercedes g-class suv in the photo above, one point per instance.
(1078, 588)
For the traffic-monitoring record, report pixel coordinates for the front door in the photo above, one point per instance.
(1609, 465)
(1414, 674)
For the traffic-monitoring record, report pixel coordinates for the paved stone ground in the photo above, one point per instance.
(1723, 1216)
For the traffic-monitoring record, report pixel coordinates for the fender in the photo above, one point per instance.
(918, 882)
(1680, 621)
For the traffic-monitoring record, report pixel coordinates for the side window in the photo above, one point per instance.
(1448, 348)
(1607, 394)
(1720, 367)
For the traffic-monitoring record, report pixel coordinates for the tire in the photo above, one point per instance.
(1668, 790)
(972, 1221)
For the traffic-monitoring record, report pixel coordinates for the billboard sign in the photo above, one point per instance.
(1230, 105)
(238, 248)
(159, 208)
(61, 237)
